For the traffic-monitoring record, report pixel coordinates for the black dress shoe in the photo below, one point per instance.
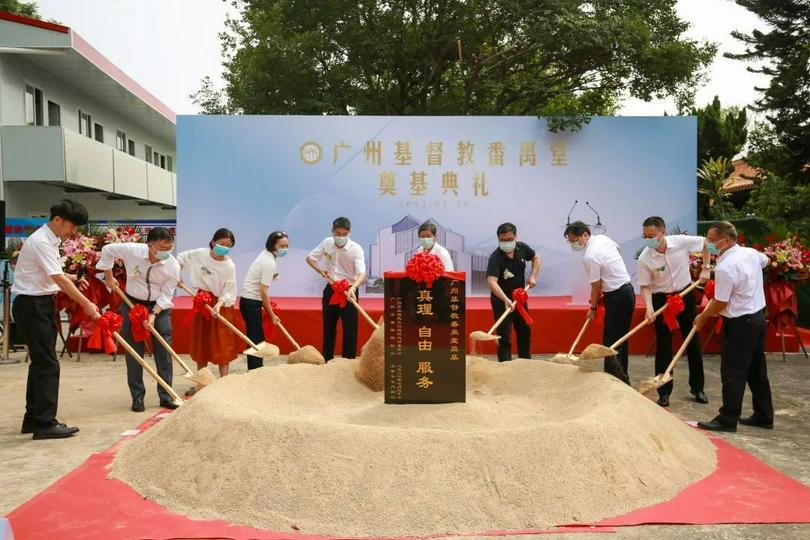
(31, 426)
(716, 424)
(663, 400)
(700, 397)
(137, 405)
(754, 420)
(56, 431)
(168, 404)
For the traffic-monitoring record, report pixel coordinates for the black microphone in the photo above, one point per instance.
(568, 221)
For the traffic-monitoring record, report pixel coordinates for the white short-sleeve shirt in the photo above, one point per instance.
(603, 262)
(738, 281)
(37, 261)
(147, 281)
(668, 272)
(442, 253)
(347, 262)
(209, 274)
(262, 271)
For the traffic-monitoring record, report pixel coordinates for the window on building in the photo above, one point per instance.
(147, 153)
(131, 144)
(169, 166)
(34, 114)
(156, 159)
(99, 133)
(163, 162)
(120, 141)
(85, 125)
(54, 114)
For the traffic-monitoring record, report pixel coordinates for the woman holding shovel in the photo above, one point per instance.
(255, 299)
(152, 275)
(213, 273)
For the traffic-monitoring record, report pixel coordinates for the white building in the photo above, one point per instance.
(73, 124)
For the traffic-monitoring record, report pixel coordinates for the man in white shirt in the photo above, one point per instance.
(427, 239)
(740, 299)
(152, 276)
(608, 277)
(663, 270)
(38, 277)
(344, 260)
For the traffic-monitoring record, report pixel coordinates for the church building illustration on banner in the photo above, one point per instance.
(397, 243)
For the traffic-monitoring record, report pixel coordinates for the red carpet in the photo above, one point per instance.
(86, 504)
(555, 325)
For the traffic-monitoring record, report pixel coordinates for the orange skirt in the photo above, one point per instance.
(212, 341)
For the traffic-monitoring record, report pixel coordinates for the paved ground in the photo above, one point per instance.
(94, 397)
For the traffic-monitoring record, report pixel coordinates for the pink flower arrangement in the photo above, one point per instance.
(789, 260)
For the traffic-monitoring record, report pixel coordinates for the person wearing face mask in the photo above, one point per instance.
(255, 298)
(739, 297)
(663, 269)
(608, 277)
(38, 277)
(344, 260)
(506, 272)
(213, 271)
(427, 239)
(152, 276)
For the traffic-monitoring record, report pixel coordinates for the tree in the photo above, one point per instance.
(712, 175)
(721, 132)
(563, 58)
(26, 9)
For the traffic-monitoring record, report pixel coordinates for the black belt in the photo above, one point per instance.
(49, 296)
(628, 284)
(744, 317)
(673, 292)
(147, 303)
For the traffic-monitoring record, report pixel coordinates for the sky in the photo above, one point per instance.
(168, 46)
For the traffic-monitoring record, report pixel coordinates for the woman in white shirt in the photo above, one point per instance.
(255, 299)
(213, 271)
(427, 237)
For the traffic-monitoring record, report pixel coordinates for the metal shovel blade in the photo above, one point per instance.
(480, 335)
(595, 351)
(263, 349)
(562, 358)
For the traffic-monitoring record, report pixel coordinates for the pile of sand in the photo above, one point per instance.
(370, 368)
(310, 447)
(306, 355)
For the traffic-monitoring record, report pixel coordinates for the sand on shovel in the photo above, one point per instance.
(306, 355)
(204, 377)
(536, 444)
(370, 368)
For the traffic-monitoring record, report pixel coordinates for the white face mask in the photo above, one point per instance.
(341, 241)
(576, 246)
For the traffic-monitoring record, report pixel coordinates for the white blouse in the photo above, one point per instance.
(207, 273)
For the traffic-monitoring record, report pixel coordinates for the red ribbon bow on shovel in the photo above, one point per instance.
(674, 306)
(521, 296)
(137, 316)
(202, 299)
(267, 322)
(102, 337)
(339, 289)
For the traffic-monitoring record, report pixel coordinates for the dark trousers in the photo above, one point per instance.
(742, 361)
(35, 316)
(348, 316)
(619, 306)
(163, 362)
(252, 311)
(522, 330)
(663, 340)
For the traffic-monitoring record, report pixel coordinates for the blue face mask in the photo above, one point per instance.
(221, 250)
(280, 252)
(713, 249)
(162, 255)
(341, 241)
(427, 243)
(507, 247)
(652, 243)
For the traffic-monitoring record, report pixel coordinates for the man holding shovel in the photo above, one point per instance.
(345, 266)
(608, 277)
(739, 298)
(663, 270)
(506, 272)
(152, 275)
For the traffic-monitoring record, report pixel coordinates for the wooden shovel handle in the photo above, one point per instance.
(222, 319)
(149, 369)
(155, 333)
(579, 336)
(680, 352)
(359, 308)
(284, 331)
(656, 313)
(506, 313)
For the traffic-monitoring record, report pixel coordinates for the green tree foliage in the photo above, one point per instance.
(26, 9)
(562, 58)
(712, 174)
(721, 132)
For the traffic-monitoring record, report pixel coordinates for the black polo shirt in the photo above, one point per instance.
(511, 273)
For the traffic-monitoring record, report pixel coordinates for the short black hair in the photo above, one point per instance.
(342, 223)
(577, 228)
(70, 210)
(159, 233)
(427, 226)
(274, 237)
(725, 229)
(220, 234)
(507, 227)
(654, 221)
